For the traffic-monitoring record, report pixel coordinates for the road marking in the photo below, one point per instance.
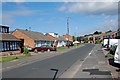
(75, 69)
(81, 64)
(90, 53)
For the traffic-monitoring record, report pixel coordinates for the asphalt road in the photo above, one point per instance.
(41, 69)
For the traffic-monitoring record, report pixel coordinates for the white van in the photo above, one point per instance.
(109, 42)
(117, 55)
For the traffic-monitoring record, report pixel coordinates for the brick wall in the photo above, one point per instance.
(102, 36)
(27, 40)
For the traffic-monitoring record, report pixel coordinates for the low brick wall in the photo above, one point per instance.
(7, 53)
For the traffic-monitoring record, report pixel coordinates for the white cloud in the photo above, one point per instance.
(8, 17)
(107, 8)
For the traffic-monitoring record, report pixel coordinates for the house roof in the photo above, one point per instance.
(4, 26)
(66, 37)
(50, 36)
(61, 38)
(8, 37)
(54, 38)
(35, 35)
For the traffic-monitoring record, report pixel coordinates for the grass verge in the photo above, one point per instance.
(13, 57)
(61, 48)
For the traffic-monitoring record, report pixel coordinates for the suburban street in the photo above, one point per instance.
(66, 39)
(41, 69)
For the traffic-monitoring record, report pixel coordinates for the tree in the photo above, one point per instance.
(78, 39)
(108, 31)
(73, 38)
(96, 32)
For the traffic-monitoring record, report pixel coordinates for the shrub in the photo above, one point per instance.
(98, 41)
(109, 55)
(86, 41)
(16, 57)
(26, 51)
(52, 45)
(36, 51)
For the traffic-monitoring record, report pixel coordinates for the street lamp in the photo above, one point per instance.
(68, 30)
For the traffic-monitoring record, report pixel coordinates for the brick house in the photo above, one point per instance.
(56, 38)
(32, 39)
(111, 35)
(66, 36)
(102, 36)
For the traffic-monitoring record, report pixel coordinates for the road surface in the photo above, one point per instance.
(41, 69)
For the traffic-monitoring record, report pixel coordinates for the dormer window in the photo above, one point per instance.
(4, 29)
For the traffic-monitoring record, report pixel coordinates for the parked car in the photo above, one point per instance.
(117, 56)
(45, 48)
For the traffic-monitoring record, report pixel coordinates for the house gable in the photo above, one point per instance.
(28, 41)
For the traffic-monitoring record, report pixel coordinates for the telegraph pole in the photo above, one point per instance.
(68, 29)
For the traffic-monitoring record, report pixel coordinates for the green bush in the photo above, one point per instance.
(86, 41)
(98, 41)
(36, 51)
(26, 51)
(52, 45)
(109, 55)
(16, 57)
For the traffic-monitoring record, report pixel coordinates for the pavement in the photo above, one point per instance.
(115, 74)
(94, 66)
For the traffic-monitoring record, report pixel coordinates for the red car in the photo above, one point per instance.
(45, 48)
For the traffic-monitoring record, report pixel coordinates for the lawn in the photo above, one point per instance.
(61, 48)
(77, 44)
(9, 58)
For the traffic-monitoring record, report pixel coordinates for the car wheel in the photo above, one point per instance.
(48, 50)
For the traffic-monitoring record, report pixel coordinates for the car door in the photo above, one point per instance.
(117, 56)
(44, 47)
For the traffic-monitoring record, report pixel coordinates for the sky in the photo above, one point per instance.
(85, 17)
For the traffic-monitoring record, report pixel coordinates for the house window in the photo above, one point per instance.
(38, 43)
(11, 45)
(7, 45)
(15, 45)
(1, 45)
